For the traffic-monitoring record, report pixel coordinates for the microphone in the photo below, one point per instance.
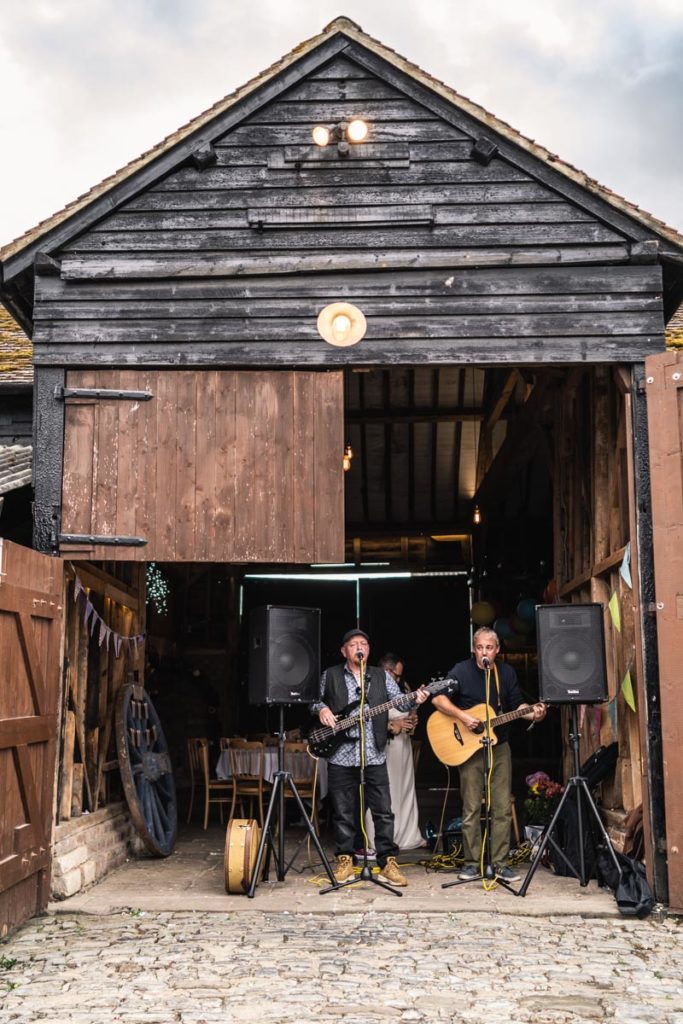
(485, 662)
(359, 655)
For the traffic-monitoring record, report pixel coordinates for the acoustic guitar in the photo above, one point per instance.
(325, 739)
(451, 740)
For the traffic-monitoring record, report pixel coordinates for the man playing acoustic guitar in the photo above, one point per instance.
(504, 696)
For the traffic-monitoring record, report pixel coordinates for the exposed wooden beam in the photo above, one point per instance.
(517, 449)
(387, 415)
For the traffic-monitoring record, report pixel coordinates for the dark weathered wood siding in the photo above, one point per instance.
(450, 260)
(218, 466)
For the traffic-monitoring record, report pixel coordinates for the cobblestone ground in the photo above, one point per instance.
(342, 968)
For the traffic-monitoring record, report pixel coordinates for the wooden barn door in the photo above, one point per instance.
(30, 663)
(664, 389)
(204, 466)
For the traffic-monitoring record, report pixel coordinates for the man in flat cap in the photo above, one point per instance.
(340, 685)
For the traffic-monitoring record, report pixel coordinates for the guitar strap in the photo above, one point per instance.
(495, 674)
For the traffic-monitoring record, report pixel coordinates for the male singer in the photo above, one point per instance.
(504, 695)
(340, 685)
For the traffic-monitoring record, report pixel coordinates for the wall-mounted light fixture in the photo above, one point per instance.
(476, 515)
(341, 324)
(345, 132)
(348, 457)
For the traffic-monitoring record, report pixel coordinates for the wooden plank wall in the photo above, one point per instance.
(230, 265)
(92, 680)
(664, 389)
(592, 497)
(218, 466)
(31, 593)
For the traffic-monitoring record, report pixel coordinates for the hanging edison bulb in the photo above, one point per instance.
(348, 456)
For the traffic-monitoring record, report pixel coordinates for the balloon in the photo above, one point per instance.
(526, 610)
(503, 628)
(483, 613)
(521, 625)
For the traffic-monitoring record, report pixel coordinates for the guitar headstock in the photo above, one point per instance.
(440, 686)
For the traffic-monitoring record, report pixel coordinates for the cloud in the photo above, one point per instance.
(89, 85)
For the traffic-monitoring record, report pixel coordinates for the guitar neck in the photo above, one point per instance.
(369, 712)
(510, 716)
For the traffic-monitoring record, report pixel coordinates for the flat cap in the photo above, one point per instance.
(349, 635)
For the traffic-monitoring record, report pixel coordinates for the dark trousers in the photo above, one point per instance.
(343, 786)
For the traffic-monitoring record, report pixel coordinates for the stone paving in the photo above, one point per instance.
(145, 967)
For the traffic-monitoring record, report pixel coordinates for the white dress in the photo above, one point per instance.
(407, 835)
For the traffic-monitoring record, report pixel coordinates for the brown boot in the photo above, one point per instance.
(390, 873)
(343, 869)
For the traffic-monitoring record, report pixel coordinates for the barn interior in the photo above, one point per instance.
(469, 492)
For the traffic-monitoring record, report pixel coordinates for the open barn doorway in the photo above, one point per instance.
(471, 493)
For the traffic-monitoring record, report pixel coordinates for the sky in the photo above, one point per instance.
(88, 85)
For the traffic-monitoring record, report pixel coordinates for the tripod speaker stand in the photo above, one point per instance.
(576, 784)
(281, 779)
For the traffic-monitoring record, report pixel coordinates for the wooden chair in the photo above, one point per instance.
(216, 791)
(306, 784)
(246, 785)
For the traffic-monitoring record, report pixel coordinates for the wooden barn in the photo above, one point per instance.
(414, 365)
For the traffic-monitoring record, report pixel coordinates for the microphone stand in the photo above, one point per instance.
(366, 874)
(489, 876)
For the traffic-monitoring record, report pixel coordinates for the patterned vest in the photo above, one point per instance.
(337, 696)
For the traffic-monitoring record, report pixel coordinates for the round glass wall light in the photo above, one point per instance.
(341, 324)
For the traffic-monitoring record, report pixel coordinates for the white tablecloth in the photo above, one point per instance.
(302, 763)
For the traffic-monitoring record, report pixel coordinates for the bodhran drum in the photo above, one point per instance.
(242, 840)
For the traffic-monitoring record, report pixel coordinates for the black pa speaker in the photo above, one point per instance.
(571, 654)
(284, 655)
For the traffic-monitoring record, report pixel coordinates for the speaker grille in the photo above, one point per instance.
(571, 654)
(284, 655)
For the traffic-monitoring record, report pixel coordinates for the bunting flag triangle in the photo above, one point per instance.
(615, 612)
(103, 631)
(627, 690)
(88, 610)
(118, 641)
(95, 620)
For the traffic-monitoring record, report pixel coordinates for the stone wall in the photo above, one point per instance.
(87, 848)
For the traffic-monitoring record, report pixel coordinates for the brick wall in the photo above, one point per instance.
(87, 848)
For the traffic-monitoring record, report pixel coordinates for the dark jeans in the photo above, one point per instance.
(343, 789)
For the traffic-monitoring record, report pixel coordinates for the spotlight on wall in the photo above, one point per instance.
(345, 132)
(341, 324)
(348, 456)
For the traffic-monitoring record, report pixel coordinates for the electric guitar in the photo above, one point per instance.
(451, 740)
(325, 739)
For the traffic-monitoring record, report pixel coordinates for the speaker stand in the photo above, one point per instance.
(576, 784)
(277, 799)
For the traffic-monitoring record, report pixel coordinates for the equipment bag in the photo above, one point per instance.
(632, 893)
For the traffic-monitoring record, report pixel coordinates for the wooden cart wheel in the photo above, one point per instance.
(146, 773)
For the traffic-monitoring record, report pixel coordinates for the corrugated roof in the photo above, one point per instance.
(353, 32)
(15, 466)
(16, 352)
(674, 329)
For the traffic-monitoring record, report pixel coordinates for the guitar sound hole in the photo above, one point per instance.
(478, 729)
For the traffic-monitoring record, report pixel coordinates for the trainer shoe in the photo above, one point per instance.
(469, 873)
(343, 868)
(390, 873)
(507, 874)
(358, 855)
